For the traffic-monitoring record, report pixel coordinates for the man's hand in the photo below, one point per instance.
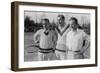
(37, 42)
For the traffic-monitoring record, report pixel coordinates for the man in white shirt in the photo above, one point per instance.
(75, 39)
(61, 28)
(47, 39)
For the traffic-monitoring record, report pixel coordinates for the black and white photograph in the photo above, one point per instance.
(56, 36)
(53, 36)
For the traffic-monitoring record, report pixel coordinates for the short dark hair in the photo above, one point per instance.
(46, 19)
(62, 16)
(75, 19)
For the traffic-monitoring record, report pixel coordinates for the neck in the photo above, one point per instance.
(62, 25)
(74, 29)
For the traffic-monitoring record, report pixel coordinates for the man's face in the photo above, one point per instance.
(45, 24)
(73, 24)
(60, 20)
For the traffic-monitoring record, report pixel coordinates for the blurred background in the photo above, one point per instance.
(33, 19)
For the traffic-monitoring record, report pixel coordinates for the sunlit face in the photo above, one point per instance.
(73, 24)
(45, 24)
(60, 20)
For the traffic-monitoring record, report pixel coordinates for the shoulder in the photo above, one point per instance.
(84, 35)
(81, 31)
(70, 31)
(40, 31)
(67, 25)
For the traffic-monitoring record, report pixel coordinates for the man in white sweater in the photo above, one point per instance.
(47, 39)
(62, 29)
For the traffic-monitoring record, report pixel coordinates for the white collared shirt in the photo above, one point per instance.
(74, 40)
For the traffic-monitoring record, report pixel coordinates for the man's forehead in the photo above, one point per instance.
(71, 20)
(59, 17)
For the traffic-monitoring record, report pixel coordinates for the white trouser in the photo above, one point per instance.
(46, 56)
(60, 55)
(74, 55)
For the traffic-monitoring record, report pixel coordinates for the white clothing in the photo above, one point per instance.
(61, 44)
(46, 56)
(74, 42)
(46, 42)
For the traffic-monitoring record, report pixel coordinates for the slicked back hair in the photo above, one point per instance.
(62, 16)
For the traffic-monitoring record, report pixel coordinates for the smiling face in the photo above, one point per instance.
(45, 23)
(61, 20)
(73, 23)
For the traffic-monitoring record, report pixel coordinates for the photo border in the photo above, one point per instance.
(15, 34)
